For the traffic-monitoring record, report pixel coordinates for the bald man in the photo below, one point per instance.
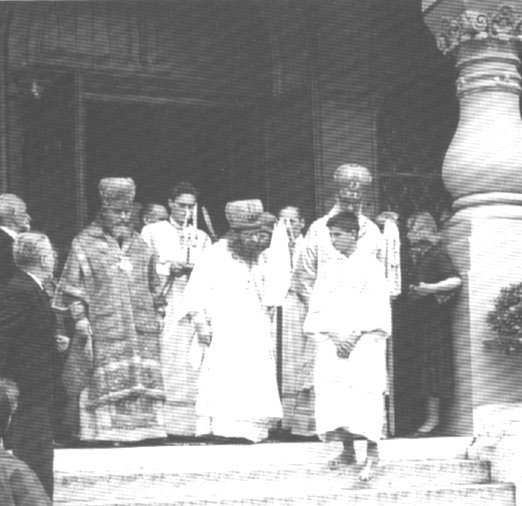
(353, 183)
(14, 220)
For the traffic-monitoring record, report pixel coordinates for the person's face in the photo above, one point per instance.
(293, 222)
(117, 220)
(263, 239)
(20, 219)
(181, 207)
(349, 195)
(157, 213)
(249, 241)
(415, 233)
(48, 259)
(342, 241)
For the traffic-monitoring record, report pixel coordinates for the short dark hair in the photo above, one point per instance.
(346, 221)
(181, 189)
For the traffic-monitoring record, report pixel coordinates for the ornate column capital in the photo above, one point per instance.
(502, 25)
(484, 37)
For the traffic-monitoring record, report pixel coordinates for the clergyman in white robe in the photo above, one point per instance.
(238, 394)
(174, 243)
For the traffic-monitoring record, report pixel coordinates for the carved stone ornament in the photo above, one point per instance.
(505, 25)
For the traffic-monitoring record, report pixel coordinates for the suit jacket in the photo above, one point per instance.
(19, 486)
(7, 264)
(28, 353)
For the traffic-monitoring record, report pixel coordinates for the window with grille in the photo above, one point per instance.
(415, 126)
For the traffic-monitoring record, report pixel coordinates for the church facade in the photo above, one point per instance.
(251, 98)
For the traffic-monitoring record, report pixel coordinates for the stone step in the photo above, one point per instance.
(389, 474)
(206, 472)
(259, 457)
(312, 494)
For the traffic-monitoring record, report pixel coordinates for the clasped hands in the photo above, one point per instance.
(82, 325)
(422, 290)
(344, 344)
(204, 332)
(62, 343)
(178, 269)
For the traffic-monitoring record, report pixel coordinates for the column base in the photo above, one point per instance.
(484, 239)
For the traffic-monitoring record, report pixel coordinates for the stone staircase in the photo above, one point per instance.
(412, 472)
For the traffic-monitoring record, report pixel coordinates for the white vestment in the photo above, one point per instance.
(318, 250)
(350, 295)
(315, 253)
(294, 351)
(238, 394)
(172, 243)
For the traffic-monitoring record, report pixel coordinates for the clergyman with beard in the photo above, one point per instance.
(113, 373)
(225, 296)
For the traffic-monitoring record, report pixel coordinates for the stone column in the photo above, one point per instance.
(483, 172)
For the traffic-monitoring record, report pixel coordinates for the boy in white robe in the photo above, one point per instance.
(349, 316)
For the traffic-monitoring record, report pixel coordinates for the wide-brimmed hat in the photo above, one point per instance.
(117, 191)
(244, 214)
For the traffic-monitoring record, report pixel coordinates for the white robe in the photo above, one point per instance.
(315, 252)
(318, 250)
(169, 243)
(238, 394)
(350, 295)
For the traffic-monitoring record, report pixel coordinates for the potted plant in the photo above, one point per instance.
(506, 320)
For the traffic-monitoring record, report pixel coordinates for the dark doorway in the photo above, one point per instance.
(48, 117)
(415, 126)
(217, 149)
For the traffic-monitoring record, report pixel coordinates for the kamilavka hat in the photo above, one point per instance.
(346, 174)
(244, 214)
(117, 191)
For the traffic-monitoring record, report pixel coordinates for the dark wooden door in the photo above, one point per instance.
(289, 154)
(49, 159)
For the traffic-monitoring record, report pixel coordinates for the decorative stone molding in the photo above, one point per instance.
(505, 25)
(498, 439)
(482, 170)
(483, 36)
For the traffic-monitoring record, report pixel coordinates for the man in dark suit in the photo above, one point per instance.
(13, 220)
(28, 353)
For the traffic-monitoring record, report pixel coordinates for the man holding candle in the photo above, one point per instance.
(177, 244)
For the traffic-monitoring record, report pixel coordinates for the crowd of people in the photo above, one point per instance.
(160, 330)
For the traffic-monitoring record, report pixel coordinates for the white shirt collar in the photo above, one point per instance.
(38, 282)
(175, 224)
(9, 232)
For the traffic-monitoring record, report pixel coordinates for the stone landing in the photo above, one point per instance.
(428, 472)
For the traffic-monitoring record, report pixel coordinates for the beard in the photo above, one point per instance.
(245, 251)
(349, 204)
(120, 231)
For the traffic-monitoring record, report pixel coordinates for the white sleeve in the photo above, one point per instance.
(380, 299)
(305, 271)
(147, 235)
(278, 268)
